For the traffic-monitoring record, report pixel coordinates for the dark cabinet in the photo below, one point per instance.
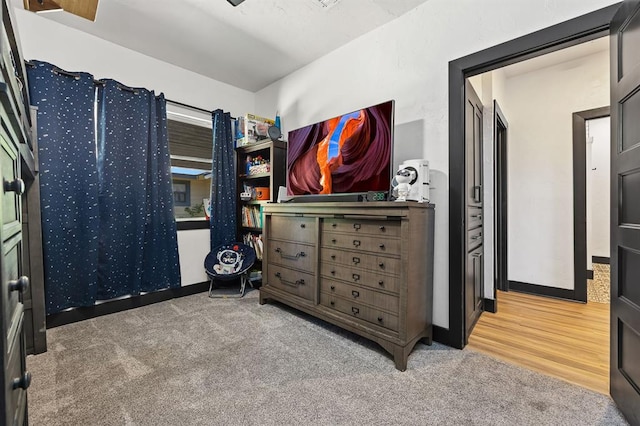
(18, 299)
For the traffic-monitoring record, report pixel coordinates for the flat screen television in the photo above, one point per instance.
(348, 154)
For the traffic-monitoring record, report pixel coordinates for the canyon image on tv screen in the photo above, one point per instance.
(350, 153)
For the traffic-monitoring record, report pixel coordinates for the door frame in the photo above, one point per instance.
(500, 198)
(566, 34)
(580, 198)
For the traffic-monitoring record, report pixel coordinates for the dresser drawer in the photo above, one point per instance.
(383, 301)
(10, 173)
(356, 310)
(359, 276)
(363, 261)
(12, 308)
(362, 243)
(297, 283)
(383, 228)
(474, 217)
(16, 398)
(292, 228)
(293, 255)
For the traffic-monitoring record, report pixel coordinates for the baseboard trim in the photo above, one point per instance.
(601, 260)
(490, 305)
(541, 290)
(88, 312)
(589, 274)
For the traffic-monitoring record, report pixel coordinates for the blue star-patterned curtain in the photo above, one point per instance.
(68, 184)
(223, 182)
(137, 237)
(105, 182)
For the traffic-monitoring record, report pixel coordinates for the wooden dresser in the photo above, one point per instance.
(365, 267)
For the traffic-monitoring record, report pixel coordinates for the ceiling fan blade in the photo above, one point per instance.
(41, 5)
(83, 8)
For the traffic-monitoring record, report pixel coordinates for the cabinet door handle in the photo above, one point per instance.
(381, 265)
(356, 260)
(16, 186)
(355, 277)
(355, 310)
(476, 216)
(333, 288)
(476, 237)
(356, 226)
(382, 228)
(20, 285)
(333, 272)
(333, 225)
(23, 381)
(356, 243)
(381, 283)
(333, 257)
(355, 293)
(332, 303)
(302, 225)
(381, 246)
(380, 319)
(333, 240)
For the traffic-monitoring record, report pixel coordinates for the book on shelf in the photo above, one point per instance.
(254, 241)
(252, 216)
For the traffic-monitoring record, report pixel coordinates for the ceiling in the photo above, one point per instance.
(249, 46)
(558, 57)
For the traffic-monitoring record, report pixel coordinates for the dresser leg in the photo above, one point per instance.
(400, 355)
(262, 300)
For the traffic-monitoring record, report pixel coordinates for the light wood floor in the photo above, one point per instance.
(563, 339)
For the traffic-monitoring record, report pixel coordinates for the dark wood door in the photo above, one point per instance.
(625, 210)
(473, 288)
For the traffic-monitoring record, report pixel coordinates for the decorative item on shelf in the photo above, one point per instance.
(258, 166)
(262, 193)
(252, 128)
(246, 196)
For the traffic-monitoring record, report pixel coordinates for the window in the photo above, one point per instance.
(190, 144)
(181, 196)
(191, 189)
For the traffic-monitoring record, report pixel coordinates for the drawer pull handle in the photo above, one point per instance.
(333, 288)
(290, 256)
(380, 319)
(289, 283)
(382, 228)
(23, 381)
(381, 265)
(356, 260)
(332, 303)
(333, 241)
(356, 243)
(333, 257)
(302, 225)
(355, 293)
(355, 277)
(356, 226)
(355, 310)
(381, 246)
(16, 186)
(476, 216)
(476, 237)
(381, 283)
(334, 225)
(333, 272)
(20, 285)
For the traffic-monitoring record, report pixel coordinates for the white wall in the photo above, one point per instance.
(407, 60)
(540, 172)
(598, 187)
(73, 50)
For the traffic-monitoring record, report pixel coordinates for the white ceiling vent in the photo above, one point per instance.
(325, 4)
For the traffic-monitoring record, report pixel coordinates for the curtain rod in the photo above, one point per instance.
(191, 107)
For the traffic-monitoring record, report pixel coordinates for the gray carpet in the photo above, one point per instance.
(201, 361)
